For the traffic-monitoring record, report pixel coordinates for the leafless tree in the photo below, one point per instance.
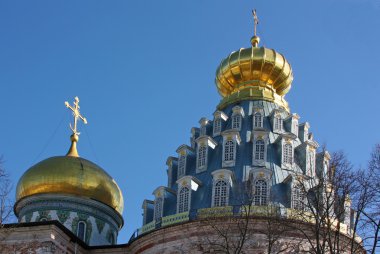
(236, 229)
(325, 213)
(6, 204)
(366, 203)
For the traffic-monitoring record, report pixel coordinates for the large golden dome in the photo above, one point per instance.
(72, 176)
(254, 73)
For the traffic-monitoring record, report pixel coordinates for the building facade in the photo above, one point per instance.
(247, 166)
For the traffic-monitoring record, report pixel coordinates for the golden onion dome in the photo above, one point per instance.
(256, 73)
(71, 175)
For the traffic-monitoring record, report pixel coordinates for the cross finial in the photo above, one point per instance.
(76, 114)
(255, 20)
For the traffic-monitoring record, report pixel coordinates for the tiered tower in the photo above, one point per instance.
(253, 152)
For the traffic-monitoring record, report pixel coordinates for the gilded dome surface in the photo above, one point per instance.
(72, 176)
(254, 73)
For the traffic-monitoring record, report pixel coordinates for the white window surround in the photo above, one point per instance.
(277, 120)
(183, 199)
(219, 118)
(221, 189)
(260, 194)
(203, 143)
(259, 150)
(203, 123)
(184, 152)
(292, 123)
(159, 201)
(259, 155)
(258, 120)
(258, 117)
(258, 176)
(297, 197)
(237, 117)
(158, 207)
(277, 123)
(192, 184)
(231, 138)
(287, 153)
(286, 143)
(222, 182)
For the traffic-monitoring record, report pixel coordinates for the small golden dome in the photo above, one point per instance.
(72, 176)
(254, 73)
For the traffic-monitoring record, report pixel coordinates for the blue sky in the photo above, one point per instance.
(144, 71)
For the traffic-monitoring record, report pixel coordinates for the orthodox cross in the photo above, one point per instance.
(255, 19)
(76, 114)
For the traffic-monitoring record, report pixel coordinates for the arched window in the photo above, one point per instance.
(201, 156)
(261, 193)
(217, 126)
(288, 153)
(298, 198)
(81, 231)
(229, 150)
(259, 149)
(181, 165)
(236, 121)
(277, 123)
(183, 200)
(220, 193)
(158, 202)
(258, 121)
(43, 219)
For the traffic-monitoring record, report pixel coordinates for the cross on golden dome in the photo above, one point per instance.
(75, 136)
(255, 39)
(255, 20)
(76, 115)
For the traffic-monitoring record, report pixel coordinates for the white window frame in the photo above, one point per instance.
(220, 193)
(298, 198)
(237, 118)
(202, 156)
(229, 151)
(220, 175)
(158, 207)
(277, 123)
(258, 122)
(217, 128)
(259, 152)
(203, 142)
(183, 199)
(181, 164)
(287, 153)
(192, 184)
(231, 138)
(260, 192)
(236, 122)
(219, 118)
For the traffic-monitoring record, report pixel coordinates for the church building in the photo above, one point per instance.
(244, 166)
